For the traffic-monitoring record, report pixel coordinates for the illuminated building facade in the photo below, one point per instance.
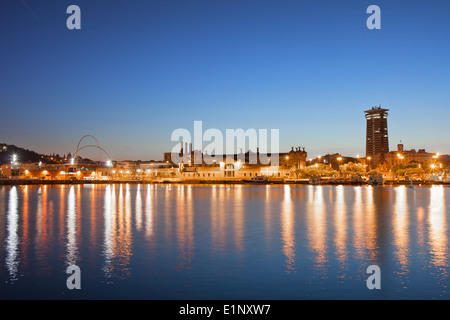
(377, 142)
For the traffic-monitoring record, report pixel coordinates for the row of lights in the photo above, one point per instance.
(45, 172)
(72, 161)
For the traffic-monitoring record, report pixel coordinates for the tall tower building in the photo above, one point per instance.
(377, 142)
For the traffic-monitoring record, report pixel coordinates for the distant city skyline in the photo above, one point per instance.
(136, 71)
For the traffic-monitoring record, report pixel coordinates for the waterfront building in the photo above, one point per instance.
(404, 156)
(377, 141)
(226, 167)
(237, 166)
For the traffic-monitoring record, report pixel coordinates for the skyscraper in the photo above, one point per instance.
(377, 142)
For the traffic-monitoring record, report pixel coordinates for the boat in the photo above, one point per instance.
(338, 181)
(315, 180)
(356, 180)
(258, 179)
(376, 180)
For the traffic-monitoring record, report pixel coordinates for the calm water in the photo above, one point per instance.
(224, 242)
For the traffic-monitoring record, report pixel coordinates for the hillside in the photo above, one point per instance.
(28, 156)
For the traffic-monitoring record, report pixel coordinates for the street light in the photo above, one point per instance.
(339, 159)
(14, 159)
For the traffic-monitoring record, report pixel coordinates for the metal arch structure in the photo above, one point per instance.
(90, 146)
(93, 146)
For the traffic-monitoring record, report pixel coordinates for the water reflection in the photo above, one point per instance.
(238, 216)
(218, 227)
(287, 230)
(340, 225)
(437, 220)
(138, 208)
(185, 226)
(72, 251)
(123, 238)
(224, 232)
(25, 238)
(12, 240)
(401, 227)
(149, 211)
(375, 211)
(108, 214)
(317, 229)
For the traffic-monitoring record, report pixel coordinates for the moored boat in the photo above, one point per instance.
(315, 180)
(258, 179)
(376, 180)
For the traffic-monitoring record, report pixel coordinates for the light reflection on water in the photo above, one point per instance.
(12, 240)
(220, 241)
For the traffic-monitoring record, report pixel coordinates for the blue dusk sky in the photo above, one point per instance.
(137, 70)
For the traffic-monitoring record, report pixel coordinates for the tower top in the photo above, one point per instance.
(376, 110)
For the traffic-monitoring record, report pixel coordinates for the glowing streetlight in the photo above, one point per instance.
(14, 159)
(339, 159)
